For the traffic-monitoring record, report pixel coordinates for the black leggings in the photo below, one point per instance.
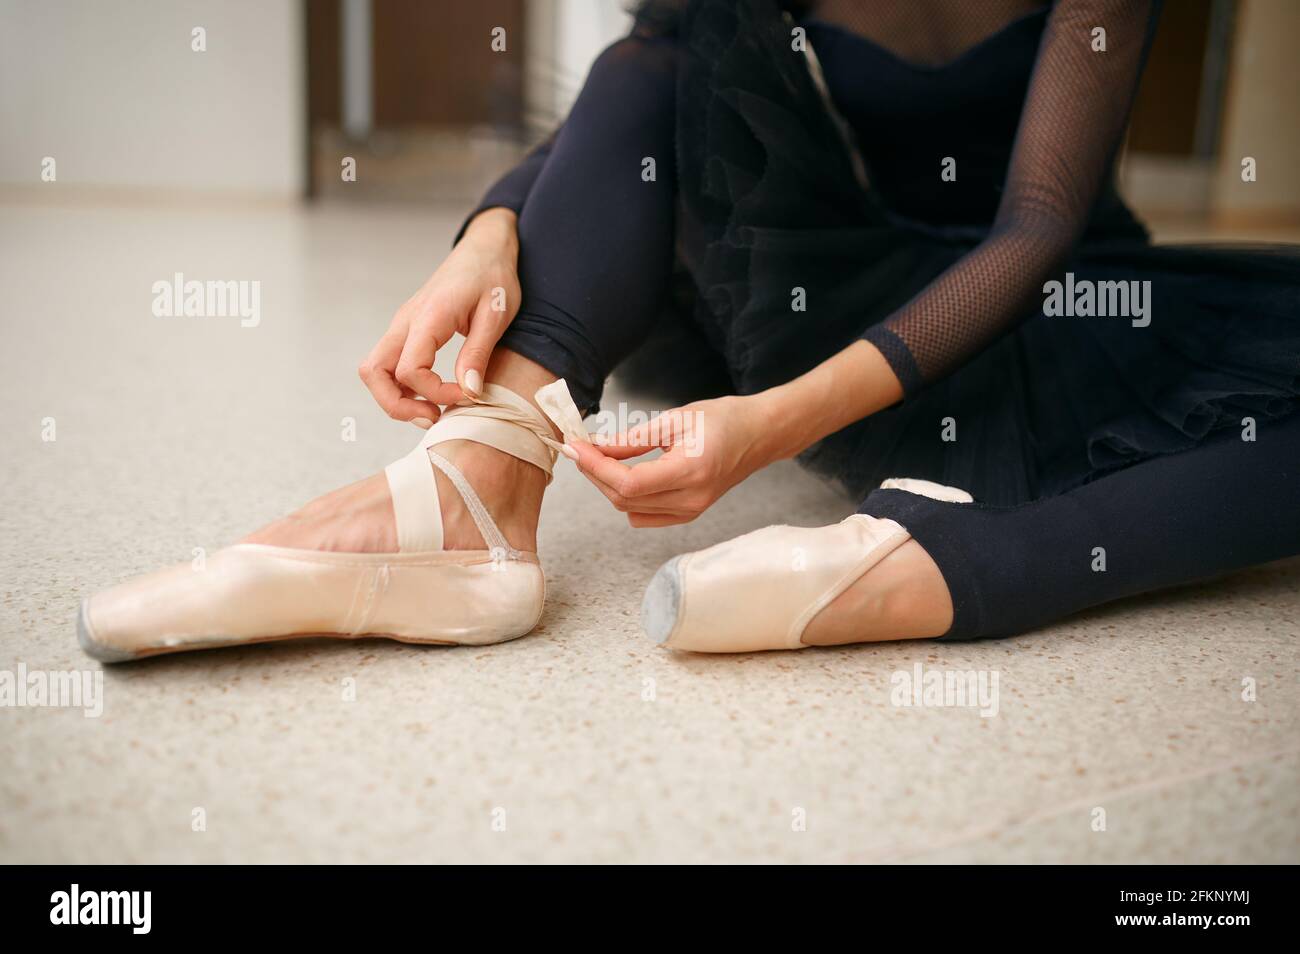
(596, 258)
(595, 234)
(1227, 504)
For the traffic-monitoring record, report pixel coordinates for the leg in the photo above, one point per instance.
(595, 237)
(902, 597)
(596, 248)
(1221, 507)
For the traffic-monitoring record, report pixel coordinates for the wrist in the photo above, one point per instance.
(846, 387)
(497, 227)
(780, 429)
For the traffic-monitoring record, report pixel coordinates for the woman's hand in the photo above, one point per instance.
(713, 445)
(709, 447)
(475, 291)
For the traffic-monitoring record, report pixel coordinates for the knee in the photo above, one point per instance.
(640, 71)
(639, 57)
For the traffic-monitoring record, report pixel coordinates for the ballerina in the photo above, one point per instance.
(842, 256)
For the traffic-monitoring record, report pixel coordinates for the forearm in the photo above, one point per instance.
(853, 384)
(859, 381)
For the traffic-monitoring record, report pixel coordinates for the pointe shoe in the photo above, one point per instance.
(761, 590)
(251, 593)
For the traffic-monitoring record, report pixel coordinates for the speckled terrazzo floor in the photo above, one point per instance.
(583, 742)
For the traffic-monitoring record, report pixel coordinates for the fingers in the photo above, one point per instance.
(485, 330)
(671, 489)
(377, 371)
(642, 521)
(618, 451)
(664, 504)
(588, 453)
(662, 430)
(415, 365)
(669, 472)
(666, 491)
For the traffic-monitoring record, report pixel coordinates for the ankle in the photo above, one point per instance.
(510, 488)
(904, 596)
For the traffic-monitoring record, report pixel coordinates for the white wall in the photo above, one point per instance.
(564, 36)
(113, 92)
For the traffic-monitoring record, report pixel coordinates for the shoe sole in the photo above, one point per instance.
(112, 655)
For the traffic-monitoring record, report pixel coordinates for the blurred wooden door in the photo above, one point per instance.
(433, 62)
(431, 87)
(1179, 104)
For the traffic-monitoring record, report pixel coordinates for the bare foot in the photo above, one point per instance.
(903, 596)
(358, 518)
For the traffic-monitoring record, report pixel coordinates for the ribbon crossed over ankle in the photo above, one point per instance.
(501, 419)
(498, 418)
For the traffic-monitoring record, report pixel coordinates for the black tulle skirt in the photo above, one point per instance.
(769, 199)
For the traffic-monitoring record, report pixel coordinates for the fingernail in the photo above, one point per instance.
(473, 382)
(422, 422)
(569, 452)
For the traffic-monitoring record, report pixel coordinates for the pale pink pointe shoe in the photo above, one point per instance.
(253, 593)
(761, 590)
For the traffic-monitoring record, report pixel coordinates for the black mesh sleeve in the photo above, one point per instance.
(1073, 119)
